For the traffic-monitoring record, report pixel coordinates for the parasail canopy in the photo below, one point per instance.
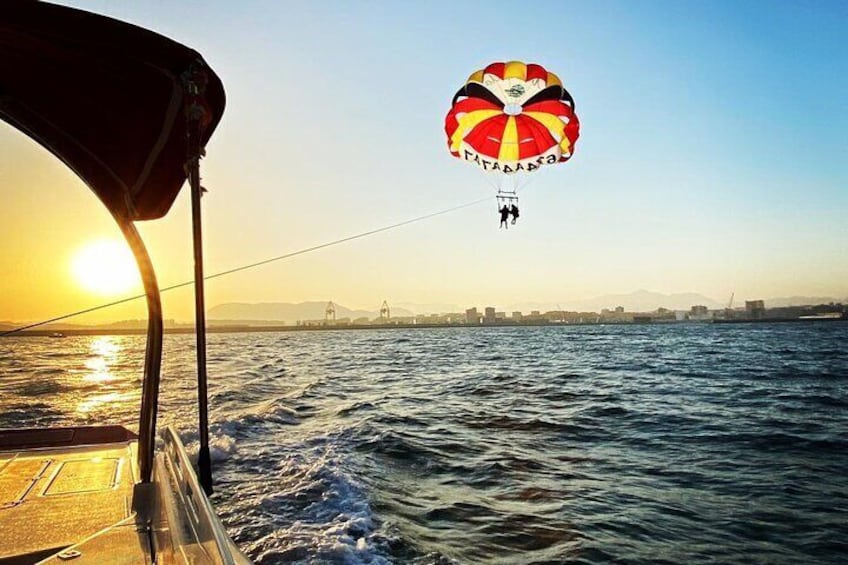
(512, 117)
(107, 98)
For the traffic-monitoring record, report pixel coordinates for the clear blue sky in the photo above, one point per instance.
(713, 155)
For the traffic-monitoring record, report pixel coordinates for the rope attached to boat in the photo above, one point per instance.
(252, 265)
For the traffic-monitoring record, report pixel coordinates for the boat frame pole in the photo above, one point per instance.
(153, 350)
(195, 83)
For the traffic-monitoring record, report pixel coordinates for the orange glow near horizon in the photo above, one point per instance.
(104, 267)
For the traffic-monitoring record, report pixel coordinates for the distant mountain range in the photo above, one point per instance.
(647, 301)
(431, 308)
(637, 301)
(289, 313)
(265, 313)
(119, 325)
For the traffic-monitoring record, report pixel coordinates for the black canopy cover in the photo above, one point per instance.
(105, 97)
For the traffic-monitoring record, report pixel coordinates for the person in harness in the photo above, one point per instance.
(504, 216)
(514, 211)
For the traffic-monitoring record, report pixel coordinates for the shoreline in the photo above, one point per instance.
(356, 327)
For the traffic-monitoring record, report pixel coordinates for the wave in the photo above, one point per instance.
(527, 445)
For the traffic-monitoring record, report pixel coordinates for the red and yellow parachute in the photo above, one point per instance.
(512, 117)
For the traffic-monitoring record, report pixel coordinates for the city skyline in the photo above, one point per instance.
(637, 302)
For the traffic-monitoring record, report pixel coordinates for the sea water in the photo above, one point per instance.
(640, 444)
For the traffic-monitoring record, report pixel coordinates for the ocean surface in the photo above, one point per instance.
(636, 444)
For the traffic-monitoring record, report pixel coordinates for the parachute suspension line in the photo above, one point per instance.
(520, 180)
(488, 177)
(252, 265)
(520, 183)
(529, 180)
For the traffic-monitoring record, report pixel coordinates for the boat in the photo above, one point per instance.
(130, 112)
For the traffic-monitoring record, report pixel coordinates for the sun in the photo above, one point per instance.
(105, 267)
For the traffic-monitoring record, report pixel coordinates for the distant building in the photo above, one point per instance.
(664, 314)
(699, 313)
(755, 308)
(489, 316)
(472, 316)
(534, 316)
(431, 319)
(500, 316)
(619, 309)
(517, 316)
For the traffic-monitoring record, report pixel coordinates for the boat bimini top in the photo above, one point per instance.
(130, 112)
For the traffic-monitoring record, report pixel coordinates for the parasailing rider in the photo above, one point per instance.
(504, 216)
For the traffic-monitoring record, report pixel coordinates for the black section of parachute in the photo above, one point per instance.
(477, 90)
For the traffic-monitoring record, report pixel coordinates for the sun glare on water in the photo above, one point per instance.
(105, 267)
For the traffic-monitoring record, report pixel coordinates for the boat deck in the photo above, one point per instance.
(61, 486)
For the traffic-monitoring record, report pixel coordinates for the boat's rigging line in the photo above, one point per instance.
(252, 265)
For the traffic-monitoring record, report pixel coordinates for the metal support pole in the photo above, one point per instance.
(204, 461)
(152, 354)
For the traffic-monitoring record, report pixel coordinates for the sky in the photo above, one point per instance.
(713, 158)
